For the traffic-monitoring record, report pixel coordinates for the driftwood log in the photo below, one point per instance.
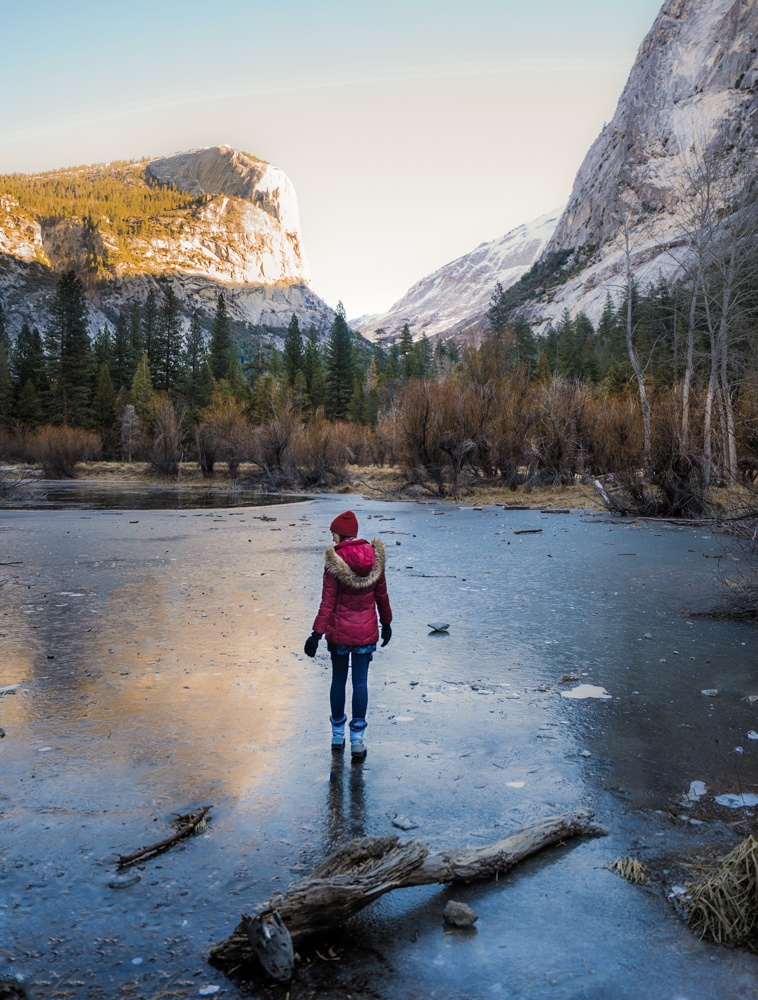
(367, 868)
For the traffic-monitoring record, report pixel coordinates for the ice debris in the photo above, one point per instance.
(402, 822)
(696, 792)
(586, 691)
(709, 692)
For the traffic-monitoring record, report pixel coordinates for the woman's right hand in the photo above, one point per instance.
(311, 644)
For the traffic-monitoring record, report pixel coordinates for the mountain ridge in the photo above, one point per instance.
(236, 232)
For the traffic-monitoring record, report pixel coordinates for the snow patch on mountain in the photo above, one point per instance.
(454, 299)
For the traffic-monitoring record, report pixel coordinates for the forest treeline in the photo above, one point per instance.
(661, 394)
(120, 195)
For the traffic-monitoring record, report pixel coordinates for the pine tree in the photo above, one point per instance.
(424, 349)
(28, 369)
(102, 348)
(221, 349)
(121, 369)
(339, 366)
(293, 351)
(567, 351)
(524, 348)
(28, 408)
(405, 353)
(197, 382)
(150, 327)
(6, 384)
(168, 357)
(135, 335)
(142, 391)
(313, 370)
(357, 408)
(300, 392)
(104, 403)
(68, 353)
(542, 370)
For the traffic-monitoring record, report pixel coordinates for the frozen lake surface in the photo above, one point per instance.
(152, 663)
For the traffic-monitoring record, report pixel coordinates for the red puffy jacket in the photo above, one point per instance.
(354, 582)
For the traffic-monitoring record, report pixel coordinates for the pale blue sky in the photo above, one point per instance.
(412, 131)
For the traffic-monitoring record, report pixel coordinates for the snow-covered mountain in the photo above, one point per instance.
(239, 233)
(693, 87)
(455, 298)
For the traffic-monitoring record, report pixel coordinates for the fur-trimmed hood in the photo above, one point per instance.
(351, 562)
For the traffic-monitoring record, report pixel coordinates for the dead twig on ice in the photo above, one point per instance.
(188, 825)
(367, 868)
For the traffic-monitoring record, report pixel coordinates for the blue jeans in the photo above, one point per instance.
(341, 663)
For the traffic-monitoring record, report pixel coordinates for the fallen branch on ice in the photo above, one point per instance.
(188, 825)
(367, 868)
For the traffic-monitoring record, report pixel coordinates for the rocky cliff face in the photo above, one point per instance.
(693, 87)
(454, 299)
(239, 233)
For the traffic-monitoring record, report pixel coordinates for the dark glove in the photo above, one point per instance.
(311, 643)
(386, 634)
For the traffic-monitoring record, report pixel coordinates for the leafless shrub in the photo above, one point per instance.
(611, 434)
(513, 406)
(206, 444)
(674, 485)
(225, 433)
(60, 449)
(164, 452)
(271, 445)
(12, 446)
(321, 452)
(131, 433)
(554, 438)
(441, 429)
(746, 431)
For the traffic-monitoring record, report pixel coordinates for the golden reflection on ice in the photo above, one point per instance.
(178, 675)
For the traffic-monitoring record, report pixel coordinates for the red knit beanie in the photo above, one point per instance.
(345, 524)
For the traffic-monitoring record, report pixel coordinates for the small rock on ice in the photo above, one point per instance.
(709, 692)
(402, 822)
(459, 914)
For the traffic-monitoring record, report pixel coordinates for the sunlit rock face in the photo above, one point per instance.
(693, 86)
(454, 299)
(239, 234)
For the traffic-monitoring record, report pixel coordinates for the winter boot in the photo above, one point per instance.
(338, 732)
(357, 742)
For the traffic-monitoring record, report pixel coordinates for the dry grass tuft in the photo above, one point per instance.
(631, 869)
(724, 905)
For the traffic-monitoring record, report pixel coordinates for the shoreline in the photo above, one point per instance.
(387, 483)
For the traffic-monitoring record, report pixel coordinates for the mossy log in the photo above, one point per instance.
(367, 868)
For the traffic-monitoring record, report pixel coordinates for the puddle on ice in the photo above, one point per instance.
(732, 801)
(586, 691)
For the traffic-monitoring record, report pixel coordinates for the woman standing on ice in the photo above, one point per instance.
(354, 587)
